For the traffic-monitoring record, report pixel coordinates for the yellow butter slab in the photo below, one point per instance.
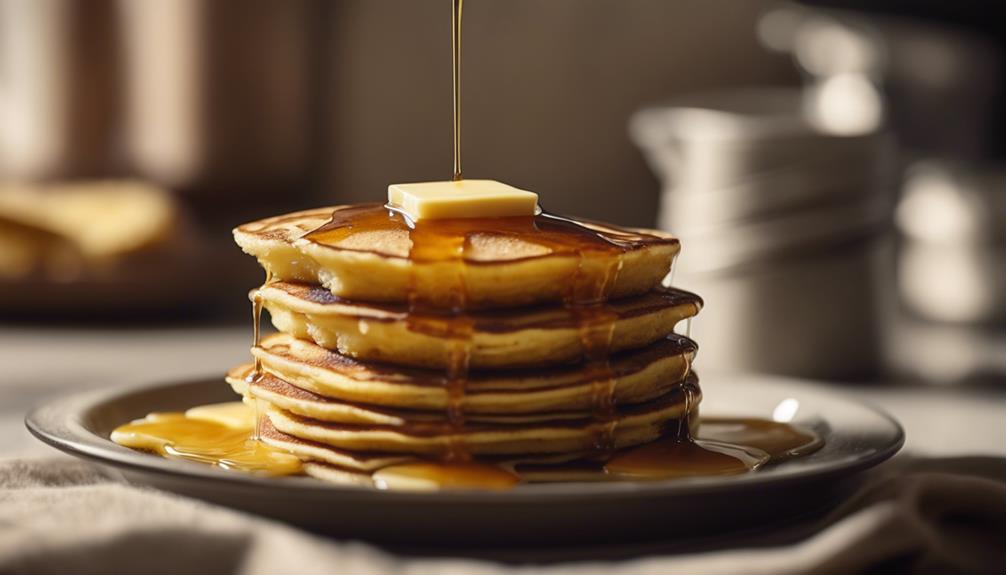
(462, 199)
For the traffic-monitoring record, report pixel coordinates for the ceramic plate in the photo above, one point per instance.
(857, 437)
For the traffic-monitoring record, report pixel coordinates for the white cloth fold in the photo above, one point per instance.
(63, 516)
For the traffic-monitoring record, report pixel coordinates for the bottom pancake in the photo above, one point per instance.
(346, 467)
(399, 471)
(359, 462)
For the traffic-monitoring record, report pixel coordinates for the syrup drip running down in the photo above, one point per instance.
(684, 430)
(257, 371)
(596, 274)
(682, 454)
(256, 299)
(445, 253)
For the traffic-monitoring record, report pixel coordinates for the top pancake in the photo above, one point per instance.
(367, 253)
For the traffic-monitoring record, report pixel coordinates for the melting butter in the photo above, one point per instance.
(235, 414)
(462, 199)
(220, 434)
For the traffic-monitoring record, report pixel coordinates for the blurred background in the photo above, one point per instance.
(835, 169)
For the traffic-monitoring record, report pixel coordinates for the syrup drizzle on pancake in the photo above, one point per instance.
(596, 328)
(447, 252)
(441, 246)
(256, 300)
(560, 235)
(257, 372)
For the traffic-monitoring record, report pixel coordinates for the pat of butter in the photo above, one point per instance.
(462, 199)
(233, 414)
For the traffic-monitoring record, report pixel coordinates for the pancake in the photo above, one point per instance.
(332, 387)
(284, 395)
(628, 426)
(526, 261)
(528, 337)
(357, 462)
(360, 462)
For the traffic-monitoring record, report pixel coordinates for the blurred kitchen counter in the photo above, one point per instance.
(38, 363)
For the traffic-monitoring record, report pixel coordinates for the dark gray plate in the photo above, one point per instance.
(856, 437)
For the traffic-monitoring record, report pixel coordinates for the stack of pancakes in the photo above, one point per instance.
(389, 359)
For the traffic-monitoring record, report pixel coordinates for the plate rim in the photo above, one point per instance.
(58, 424)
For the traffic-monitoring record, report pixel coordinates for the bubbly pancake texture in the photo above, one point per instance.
(508, 262)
